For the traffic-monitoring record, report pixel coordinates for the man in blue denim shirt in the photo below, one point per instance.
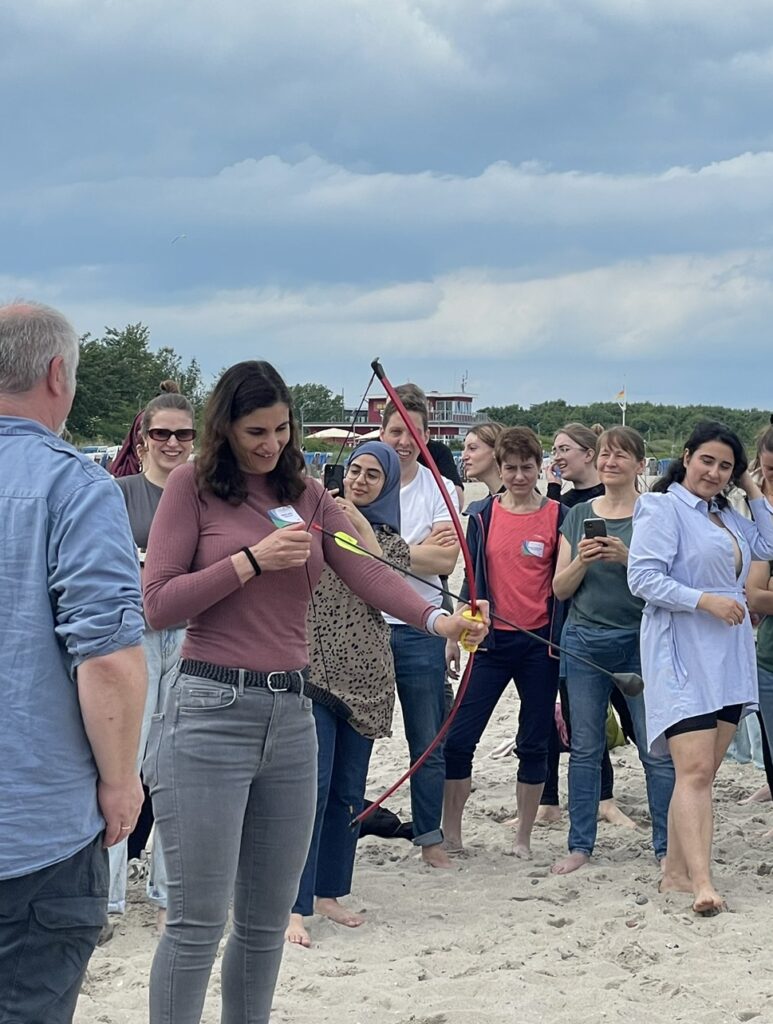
(72, 676)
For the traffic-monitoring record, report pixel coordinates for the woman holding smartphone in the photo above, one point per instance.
(574, 461)
(603, 626)
(689, 560)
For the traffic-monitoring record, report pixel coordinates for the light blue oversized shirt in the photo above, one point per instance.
(692, 662)
(69, 578)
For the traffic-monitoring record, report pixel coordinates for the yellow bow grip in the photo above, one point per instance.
(473, 617)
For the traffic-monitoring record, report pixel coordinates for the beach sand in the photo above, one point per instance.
(499, 939)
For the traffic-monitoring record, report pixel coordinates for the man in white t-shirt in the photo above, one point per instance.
(420, 658)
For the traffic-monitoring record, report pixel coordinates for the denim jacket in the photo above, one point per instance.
(479, 513)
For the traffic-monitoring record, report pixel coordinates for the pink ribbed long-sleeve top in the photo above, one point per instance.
(261, 625)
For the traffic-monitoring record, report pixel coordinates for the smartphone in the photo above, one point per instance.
(594, 528)
(333, 477)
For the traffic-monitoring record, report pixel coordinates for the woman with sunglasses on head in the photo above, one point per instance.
(232, 761)
(166, 435)
(689, 560)
(603, 627)
(574, 460)
(352, 685)
(478, 458)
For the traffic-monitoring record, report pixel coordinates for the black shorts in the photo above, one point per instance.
(699, 723)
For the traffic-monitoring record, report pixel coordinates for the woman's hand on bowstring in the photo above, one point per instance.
(287, 548)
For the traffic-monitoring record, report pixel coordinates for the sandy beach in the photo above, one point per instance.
(499, 939)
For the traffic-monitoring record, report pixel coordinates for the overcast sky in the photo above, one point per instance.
(556, 197)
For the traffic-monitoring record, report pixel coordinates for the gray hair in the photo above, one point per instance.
(31, 335)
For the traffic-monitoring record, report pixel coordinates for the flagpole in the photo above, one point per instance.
(622, 401)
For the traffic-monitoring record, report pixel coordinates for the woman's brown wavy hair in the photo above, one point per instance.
(243, 388)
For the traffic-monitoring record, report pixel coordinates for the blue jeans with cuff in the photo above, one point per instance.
(616, 650)
(342, 770)
(420, 670)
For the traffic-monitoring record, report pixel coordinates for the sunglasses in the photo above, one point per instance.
(162, 434)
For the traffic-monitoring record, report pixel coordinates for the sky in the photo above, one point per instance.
(546, 198)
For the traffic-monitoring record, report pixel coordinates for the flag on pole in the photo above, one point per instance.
(621, 395)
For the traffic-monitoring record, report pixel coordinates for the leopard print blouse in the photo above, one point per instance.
(352, 671)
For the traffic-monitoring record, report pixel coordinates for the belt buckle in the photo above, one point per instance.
(278, 689)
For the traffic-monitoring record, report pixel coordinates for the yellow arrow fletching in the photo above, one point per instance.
(349, 543)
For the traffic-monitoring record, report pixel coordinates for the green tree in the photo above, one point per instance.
(117, 375)
(314, 403)
(664, 427)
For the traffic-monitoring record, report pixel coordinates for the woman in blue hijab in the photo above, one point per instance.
(352, 688)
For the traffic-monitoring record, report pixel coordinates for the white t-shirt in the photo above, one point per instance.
(421, 508)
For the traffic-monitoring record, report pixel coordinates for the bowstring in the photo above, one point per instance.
(350, 432)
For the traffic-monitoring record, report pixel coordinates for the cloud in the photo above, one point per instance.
(581, 183)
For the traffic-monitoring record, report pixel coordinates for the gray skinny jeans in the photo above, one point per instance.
(233, 781)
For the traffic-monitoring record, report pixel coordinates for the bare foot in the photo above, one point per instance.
(435, 856)
(609, 811)
(547, 814)
(452, 844)
(708, 902)
(522, 849)
(295, 932)
(160, 920)
(760, 797)
(332, 909)
(674, 883)
(570, 863)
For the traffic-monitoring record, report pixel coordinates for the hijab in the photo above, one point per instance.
(385, 509)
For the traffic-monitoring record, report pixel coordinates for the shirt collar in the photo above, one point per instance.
(21, 425)
(692, 500)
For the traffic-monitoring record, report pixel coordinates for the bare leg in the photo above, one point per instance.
(330, 907)
(296, 932)
(675, 877)
(609, 811)
(455, 796)
(692, 820)
(528, 797)
(761, 796)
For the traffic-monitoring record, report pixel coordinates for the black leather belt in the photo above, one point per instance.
(276, 682)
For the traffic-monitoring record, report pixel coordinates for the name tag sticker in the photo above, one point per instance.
(533, 548)
(285, 515)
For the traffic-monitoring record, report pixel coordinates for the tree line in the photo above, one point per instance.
(119, 373)
(664, 427)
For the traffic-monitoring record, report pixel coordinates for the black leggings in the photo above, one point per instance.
(731, 714)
